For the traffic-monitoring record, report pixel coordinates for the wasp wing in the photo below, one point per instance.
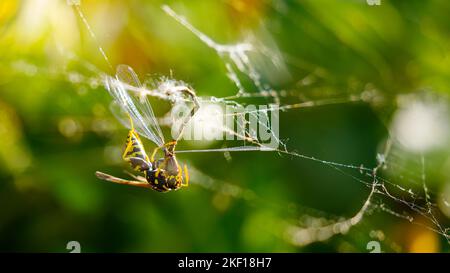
(124, 88)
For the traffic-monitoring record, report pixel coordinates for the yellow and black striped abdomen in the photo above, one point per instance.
(134, 148)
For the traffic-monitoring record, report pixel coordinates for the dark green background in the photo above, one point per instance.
(49, 194)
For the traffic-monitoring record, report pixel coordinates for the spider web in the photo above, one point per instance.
(237, 59)
(391, 179)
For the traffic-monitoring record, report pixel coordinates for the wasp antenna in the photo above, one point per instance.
(131, 122)
(101, 175)
(117, 180)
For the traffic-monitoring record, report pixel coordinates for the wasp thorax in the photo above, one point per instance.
(161, 181)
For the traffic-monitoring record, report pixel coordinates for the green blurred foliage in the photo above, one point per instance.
(56, 129)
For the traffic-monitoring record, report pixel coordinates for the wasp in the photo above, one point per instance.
(163, 174)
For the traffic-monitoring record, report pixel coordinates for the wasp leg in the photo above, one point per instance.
(168, 147)
(117, 180)
(186, 120)
(152, 157)
(186, 177)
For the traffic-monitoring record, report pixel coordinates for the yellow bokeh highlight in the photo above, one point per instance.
(425, 241)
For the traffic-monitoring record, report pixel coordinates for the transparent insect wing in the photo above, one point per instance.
(128, 101)
(126, 74)
(120, 114)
